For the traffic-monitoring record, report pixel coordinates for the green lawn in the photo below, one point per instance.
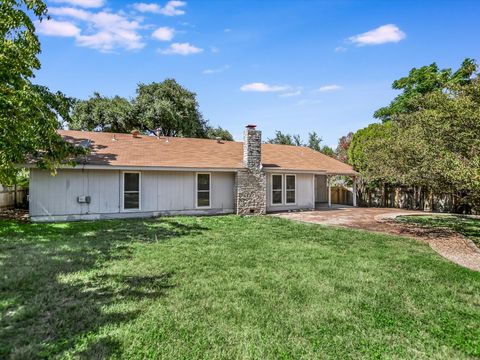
(467, 226)
(229, 288)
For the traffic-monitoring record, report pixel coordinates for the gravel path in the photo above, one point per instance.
(449, 244)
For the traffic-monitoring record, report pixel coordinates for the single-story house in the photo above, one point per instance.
(133, 175)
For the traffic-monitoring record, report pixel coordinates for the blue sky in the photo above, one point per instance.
(294, 66)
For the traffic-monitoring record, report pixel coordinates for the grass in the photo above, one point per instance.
(467, 226)
(229, 288)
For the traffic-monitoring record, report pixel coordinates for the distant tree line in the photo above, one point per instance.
(428, 138)
(314, 142)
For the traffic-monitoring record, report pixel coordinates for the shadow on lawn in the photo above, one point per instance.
(47, 308)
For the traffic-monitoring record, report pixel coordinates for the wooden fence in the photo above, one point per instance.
(341, 195)
(13, 196)
(413, 198)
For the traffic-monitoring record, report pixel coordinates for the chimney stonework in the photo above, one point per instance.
(250, 183)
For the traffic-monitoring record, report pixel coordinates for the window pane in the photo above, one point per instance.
(132, 182)
(290, 182)
(131, 201)
(203, 198)
(277, 182)
(291, 196)
(276, 197)
(203, 182)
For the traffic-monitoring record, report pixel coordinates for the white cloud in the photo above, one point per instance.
(104, 31)
(180, 49)
(147, 8)
(381, 35)
(291, 94)
(81, 3)
(57, 28)
(163, 34)
(339, 49)
(171, 8)
(217, 70)
(326, 88)
(227, 30)
(70, 12)
(262, 87)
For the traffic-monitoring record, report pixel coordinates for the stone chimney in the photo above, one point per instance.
(252, 148)
(251, 184)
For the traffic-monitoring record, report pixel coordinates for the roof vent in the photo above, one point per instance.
(219, 139)
(135, 133)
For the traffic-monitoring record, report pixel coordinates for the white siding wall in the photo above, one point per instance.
(160, 191)
(304, 196)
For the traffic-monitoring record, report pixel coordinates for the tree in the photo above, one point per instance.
(168, 109)
(314, 141)
(432, 145)
(422, 81)
(219, 132)
(100, 113)
(281, 139)
(28, 113)
(327, 150)
(342, 147)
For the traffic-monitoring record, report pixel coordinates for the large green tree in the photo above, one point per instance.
(29, 113)
(434, 145)
(100, 113)
(167, 108)
(422, 81)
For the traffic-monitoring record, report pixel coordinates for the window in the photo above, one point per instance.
(131, 191)
(277, 189)
(203, 190)
(290, 186)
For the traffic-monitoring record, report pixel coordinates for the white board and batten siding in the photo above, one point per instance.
(162, 192)
(304, 193)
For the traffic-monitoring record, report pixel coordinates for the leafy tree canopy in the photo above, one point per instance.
(422, 81)
(168, 109)
(433, 145)
(28, 113)
(100, 113)
(219, 132)
(165, 108)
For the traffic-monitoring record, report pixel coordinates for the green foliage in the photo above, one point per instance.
(100, 113)
(28, 113)
(365, 145)
(434, 142)
(327, 150)
(219, 132)
(422, 81)
(165, 108)
(314, 141)
(168, 109)
(282, 139)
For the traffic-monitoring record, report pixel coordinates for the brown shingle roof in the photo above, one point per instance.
(123, 150)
